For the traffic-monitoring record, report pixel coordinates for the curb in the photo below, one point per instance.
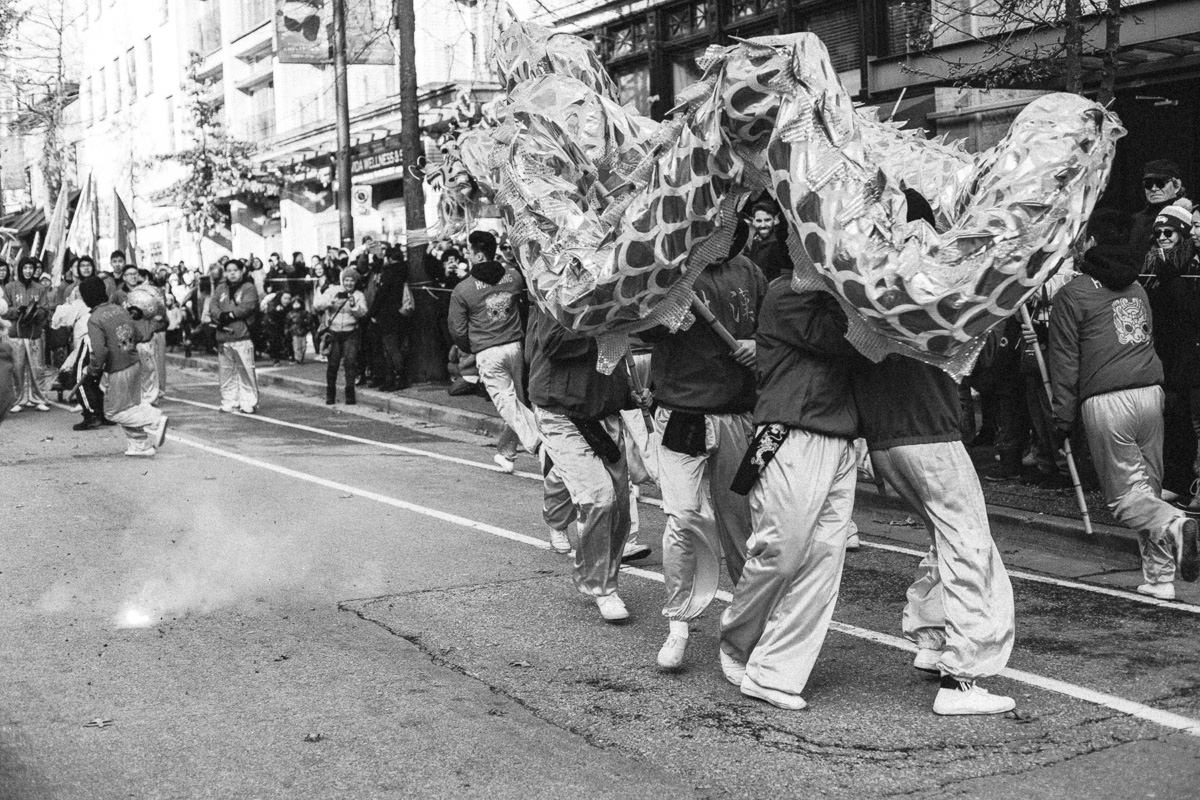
(1104, 537)
(481, 424)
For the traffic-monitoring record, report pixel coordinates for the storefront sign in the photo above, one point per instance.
(377, 161)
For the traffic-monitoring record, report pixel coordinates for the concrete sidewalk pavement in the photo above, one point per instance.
(1044, 514)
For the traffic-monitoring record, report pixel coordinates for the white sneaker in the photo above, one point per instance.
(970, 699)
(927, 660)
(15, 409)
(853, 543)
(784, 700)
(506, 465)
(1163, 591)
(634, 551)
(612, 608)
(560, 542)
(158, 431)
(228, 409)
(734, 670)
(42, 407)
(140, 452)
(670, 655)
(248, 409)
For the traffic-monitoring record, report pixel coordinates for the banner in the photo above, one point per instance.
(56, 231)
(304, 31)
(124, 228)
(85, 226)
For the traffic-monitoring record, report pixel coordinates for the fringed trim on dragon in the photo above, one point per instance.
(613, 216)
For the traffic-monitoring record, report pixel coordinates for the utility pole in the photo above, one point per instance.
(429, 362)
(341, 98)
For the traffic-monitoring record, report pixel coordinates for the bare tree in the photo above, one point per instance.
(1024, 43)
(40, 74)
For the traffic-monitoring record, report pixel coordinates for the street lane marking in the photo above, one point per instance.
(1166, 719)
(1174, 605)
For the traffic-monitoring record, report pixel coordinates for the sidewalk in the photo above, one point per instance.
(1047, 511)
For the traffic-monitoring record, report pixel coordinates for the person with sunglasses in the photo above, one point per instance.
(1162, 183)
(1171, 277)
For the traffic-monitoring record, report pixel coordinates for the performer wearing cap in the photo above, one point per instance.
(800, 472)
(114, 340)
(705, 396)
(576, 408)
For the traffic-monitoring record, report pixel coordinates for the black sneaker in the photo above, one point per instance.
(88, 423)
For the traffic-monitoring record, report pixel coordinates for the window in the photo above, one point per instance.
(683, 21)
(170, 103)
(148, 78)
(738, 10)
(838, 28)
(633, 87)
(255, 13)
(116, 84)
(627, 40)
(131, 75)
(684, 69)
(260, 123)
(102, 94)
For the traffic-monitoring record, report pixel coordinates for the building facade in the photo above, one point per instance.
(893, 54)
(135, 112)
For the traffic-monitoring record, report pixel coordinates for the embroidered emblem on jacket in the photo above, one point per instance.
(1130, 320)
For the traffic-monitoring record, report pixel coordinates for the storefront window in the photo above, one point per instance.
(634, 87)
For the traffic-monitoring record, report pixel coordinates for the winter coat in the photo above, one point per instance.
(771, 256)
(1172, 282)
(1101, 334)
(692, 370)
(240, 303)
(28, 309)
(804, 363)
(343, 313)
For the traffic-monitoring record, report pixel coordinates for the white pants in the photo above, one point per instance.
(599, 493)
(135, 418)
(784, 601)
(1125, 434)
(27, 365)
(705, 520)
(500, 369)
(961, 602)
(235, 370)
(149, 362)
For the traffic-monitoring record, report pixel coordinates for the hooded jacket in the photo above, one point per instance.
(1101, 333)
(28, 308)
(1172, 282)
(241, 302)
(562, 372)
(484, 308)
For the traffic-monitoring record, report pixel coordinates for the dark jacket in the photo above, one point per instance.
(902, 401)
(240, 302)
(1141, 228)
(562, 372)
(692, 370)
(771, 256)
(805, 362)
(114, 338)
(28, 308)
(1172, 282)
(484, 308)
(1101, 333)
(386, 308)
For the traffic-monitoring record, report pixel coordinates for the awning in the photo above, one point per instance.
(23, 223)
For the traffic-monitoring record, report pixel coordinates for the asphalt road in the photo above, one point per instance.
(358, 608)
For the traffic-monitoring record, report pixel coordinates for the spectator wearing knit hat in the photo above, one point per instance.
(344, 308)
(1171, 277)
(1162, 183)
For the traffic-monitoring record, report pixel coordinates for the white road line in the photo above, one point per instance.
(1173, 605)
(1131, 707)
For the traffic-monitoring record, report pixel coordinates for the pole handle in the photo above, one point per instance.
(701, 311)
